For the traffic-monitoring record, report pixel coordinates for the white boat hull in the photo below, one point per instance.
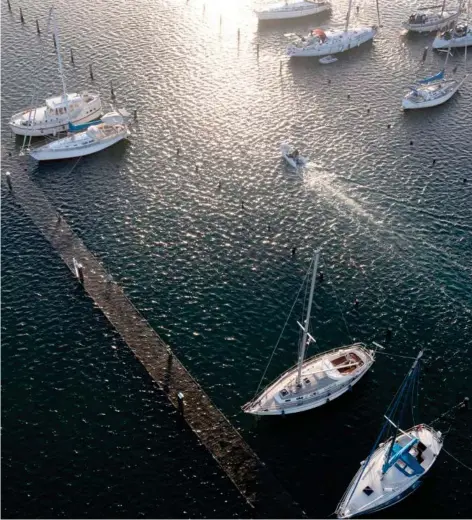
(37, 122)
(46, 154)
(463, 41)
(337, 41)
(291, 11)
(270, 402)
(409, 103)
(435, 25)
(395, 485)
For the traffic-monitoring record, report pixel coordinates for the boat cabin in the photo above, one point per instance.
(58, 105)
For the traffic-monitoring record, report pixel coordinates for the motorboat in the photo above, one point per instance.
(395, 466)
(427, 20)
(317, 380)
(323, 43)
(460, 36)
(292, 156)
(54, 117)
(431, 92)
(111, 130)
(292, 9)
(327, 60)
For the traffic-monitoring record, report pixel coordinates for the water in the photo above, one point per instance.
(84, 431)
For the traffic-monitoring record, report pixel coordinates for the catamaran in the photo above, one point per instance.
(394, 468)
(425, 19)
(323, 43)
(54, 117)
(317, 380)
(293, 9)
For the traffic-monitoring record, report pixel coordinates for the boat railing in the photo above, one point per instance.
(360, 345)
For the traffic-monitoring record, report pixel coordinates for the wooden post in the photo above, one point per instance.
(111, 90)
(8, 176)
(135, 115)
(54, 40)
(38, 30)
(257, 51)
(9, 5)
(72, 56)
(425, 53)
(180, 399)
(21, 16)
(91, 72)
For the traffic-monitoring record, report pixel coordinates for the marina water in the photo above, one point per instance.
(85, 432)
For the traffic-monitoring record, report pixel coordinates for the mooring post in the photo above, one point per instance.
(54, 41)
(221, 21)
(112, 91)
(80, 269)
(257, 51)
(425, 53)
(8, 176)
(135, 115)
(91, 71)
(180, 400)
(280, 67)
(38, 30)
(9, 5)
(72, 56)
(239, 35)
(21, 16)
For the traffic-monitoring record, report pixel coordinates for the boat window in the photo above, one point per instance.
(401, 464)
(307, 381)
(283, 392)
(287, 400)
(368, 490)
(409, 470)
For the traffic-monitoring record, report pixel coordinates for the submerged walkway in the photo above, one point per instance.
(254, 481)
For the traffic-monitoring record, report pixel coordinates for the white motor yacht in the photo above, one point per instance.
(428, 21)
(292, 156)
(111, 130)
(324, 43)
(292, 9)
(460, 36)
(54, 117)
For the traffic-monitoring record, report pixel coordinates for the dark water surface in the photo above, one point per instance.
(85, 433)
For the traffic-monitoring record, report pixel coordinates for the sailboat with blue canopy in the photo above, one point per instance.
(395, 467)
(436, 77)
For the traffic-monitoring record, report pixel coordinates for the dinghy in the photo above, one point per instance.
(395, 467)
(317, 380)
(292, 156)
(327, 60)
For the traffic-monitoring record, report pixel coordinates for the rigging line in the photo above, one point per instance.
(34, 96)
(457, 460)
(341, 312)
(447, 412)
(395, 355)
(283, 329)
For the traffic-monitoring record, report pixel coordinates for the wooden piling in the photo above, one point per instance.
(112, 92)
(72, 56)
(9, 5)
(257, 51)
(38, 30)
(21, 16)
(54, 41)
(252, 478)
(91, 71)
(425, 53)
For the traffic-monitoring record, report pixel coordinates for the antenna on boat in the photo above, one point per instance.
(306, 323)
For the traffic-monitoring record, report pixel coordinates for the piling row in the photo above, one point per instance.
(251, 477)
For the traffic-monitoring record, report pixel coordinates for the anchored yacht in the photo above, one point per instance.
(293, 9)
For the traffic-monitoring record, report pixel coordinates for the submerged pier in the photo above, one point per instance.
(262, 491)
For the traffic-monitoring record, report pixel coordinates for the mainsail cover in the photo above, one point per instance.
(439, 75)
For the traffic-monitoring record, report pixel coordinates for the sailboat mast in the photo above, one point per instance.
(307, 320)
(395, 433)
(59, 58)
(348, 15)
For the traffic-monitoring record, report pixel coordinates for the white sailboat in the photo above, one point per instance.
(110, 131)
(323, 43)
(395, 467)
(292, 9)
(433, 91)
(55, 115)
(458, 36)
(317, 380)
(426, 19)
